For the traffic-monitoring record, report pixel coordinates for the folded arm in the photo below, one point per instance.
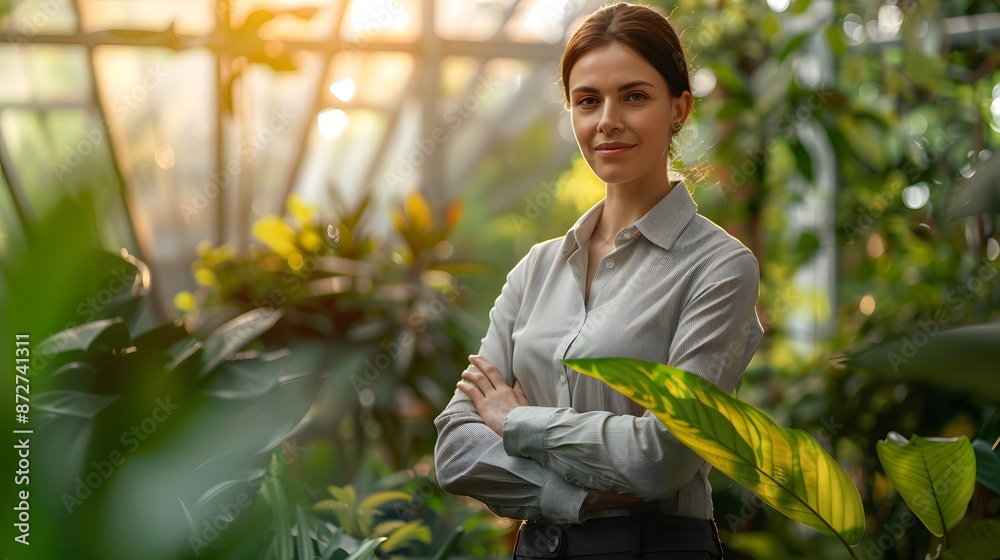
(716, 335)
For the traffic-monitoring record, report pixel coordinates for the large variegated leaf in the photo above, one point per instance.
(935, 476)
(786, 468)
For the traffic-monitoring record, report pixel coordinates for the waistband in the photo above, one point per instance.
(633, 534)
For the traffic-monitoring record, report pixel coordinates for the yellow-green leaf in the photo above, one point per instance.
(413, 531)
(786, 468)
(345, 494)
(935, 476)
(386, 527)
(379, 498)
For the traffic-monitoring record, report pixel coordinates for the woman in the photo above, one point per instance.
(639, 275)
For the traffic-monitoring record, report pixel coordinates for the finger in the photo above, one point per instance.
(492, 373)
(472, 391)
(522, 399)
(478, 379)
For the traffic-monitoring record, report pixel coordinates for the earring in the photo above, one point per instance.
(677, 126)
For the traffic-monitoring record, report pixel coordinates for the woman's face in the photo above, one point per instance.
(622, 114)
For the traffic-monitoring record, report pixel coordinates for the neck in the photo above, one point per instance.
(623, 206)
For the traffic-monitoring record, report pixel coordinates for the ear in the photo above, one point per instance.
(682, 107)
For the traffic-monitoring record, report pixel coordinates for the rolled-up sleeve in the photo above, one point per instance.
(469, 457)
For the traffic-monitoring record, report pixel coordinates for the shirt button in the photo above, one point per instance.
(611, 263)
(553, 543)
(568, 478)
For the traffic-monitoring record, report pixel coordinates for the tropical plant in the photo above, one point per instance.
(936, 477)
(338, 282)
(786, 468)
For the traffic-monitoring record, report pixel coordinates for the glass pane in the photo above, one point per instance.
(382, 20)
(51, 74)
(470, 21)
(188, 17)
(38, 17)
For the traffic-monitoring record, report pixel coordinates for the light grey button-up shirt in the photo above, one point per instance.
(676, 289)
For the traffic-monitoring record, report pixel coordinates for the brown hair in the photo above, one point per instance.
(642, 29)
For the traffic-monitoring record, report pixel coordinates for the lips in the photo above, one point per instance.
(611, 149)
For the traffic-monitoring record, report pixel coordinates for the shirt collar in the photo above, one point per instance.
(662, 225)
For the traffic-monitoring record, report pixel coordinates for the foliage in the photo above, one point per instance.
(395, 304)
(935, 476)
(785, 468)
(358, 518)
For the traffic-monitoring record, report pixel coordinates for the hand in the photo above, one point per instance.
(490, 394)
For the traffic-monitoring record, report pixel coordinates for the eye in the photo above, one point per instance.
(636, 96)
(586, 101)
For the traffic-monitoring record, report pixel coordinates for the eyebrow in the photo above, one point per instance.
(623, 87)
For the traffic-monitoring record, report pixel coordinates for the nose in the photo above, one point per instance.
(610, 118)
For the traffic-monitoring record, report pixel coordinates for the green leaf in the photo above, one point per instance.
(962, 359)
(803, 161)
(282, 522)
(991, 429)
(366, 548)
(979, 541)
(794, 44)
(445, 551)
(235, 334)
(786, 468)
(864, 138)
(935, 476)
(304, 541)
(72, 403)
(213, 493)
(236, 379)
(94, 336)
(834, 36)
(162, 336)
(987, 465)
(924, 70)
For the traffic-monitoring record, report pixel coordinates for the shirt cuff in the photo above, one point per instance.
(561, 501)
(524, 432)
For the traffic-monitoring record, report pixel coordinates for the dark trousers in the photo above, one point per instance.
(633, 537)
